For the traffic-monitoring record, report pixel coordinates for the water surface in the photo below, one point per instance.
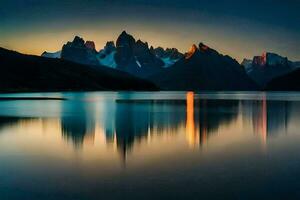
(104, 145)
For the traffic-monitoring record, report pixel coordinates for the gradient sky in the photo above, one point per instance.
(239, 28)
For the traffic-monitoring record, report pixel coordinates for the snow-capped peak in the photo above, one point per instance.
(107, 60)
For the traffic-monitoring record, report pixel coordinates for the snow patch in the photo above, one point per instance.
(169, 62)
(107, 60)
(52, 55)
(138, 63)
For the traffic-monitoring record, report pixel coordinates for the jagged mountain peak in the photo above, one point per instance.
(246, 60)
(127, 54)
(193, 47)
(203, 47)
(124, 33)
(125, 39)
(267, 66)
(78, 41)
(207, 50)
(110, 43)
(109, 47)
(77, 38)
(80, 51)
(91, 45)
(169, 55)
(260, 60)
(270, 59)
(135, 56)
(191, 51)
(204, 68)
(152, 49)
(140, 42)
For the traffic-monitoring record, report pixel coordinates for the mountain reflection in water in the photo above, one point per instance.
(164, 145)
(124, 123)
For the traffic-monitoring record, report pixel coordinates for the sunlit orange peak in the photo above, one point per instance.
(191, 52)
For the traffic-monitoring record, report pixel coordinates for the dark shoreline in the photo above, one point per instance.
(31, 98)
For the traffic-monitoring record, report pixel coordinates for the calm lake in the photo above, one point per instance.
(160, 145)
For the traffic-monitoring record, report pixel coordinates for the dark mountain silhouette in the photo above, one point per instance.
(288, 82)
(135, 57)
(264, 68)
(21, 72)
(203, 68)
(80, 51)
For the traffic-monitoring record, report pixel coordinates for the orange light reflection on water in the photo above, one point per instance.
(191, 132)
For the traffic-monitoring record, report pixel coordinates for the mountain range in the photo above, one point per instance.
(262, 69)
(134, 64)
(203, 68)
(128, 54)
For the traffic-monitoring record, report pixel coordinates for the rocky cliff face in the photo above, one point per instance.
(80, 51)
(266, 67)
(124, 55)
(135, 57)
(192, 51)
(90, 45)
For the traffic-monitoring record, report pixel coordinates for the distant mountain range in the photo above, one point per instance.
(22, 73)
(268, 66)
(203, 68)
(130, 64)
(129, 55)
